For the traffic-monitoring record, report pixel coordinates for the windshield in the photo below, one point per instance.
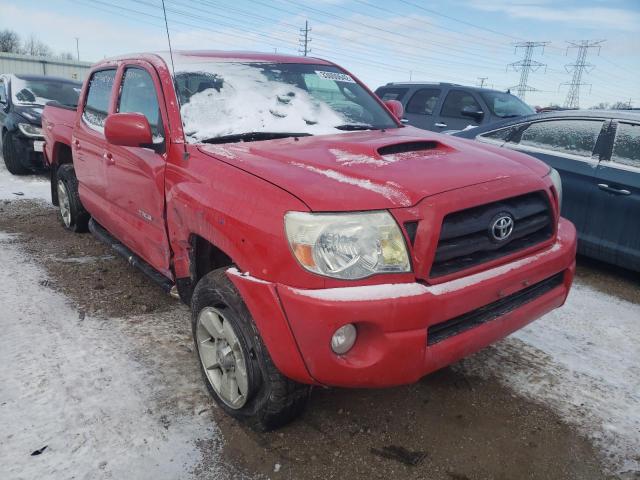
(230, 99)
(506, 105)
(41, 91)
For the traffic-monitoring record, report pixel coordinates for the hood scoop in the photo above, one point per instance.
(409, 147)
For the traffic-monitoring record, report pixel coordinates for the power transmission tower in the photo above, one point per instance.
(578, 68)
(482, 81)
(526, 65)
(305, 39)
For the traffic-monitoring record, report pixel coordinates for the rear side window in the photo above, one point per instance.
(391, 93)
(456, 101)
(138, 95)
(424, 101)
(626, 149)
(576, 137)
(96, 107)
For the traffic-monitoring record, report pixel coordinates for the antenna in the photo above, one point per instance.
(185, 155)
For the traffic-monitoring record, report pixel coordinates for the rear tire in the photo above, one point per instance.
(10, 156)
(230, 350)
(73, 216)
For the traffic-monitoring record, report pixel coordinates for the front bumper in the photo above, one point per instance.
(27, 155)
(393, 347)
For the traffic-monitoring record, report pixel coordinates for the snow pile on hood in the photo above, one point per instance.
(248, 101)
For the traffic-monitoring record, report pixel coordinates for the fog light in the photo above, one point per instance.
(343, 339)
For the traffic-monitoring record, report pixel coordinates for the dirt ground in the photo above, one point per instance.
(451, 425)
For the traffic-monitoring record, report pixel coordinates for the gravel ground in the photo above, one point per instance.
(458, 423)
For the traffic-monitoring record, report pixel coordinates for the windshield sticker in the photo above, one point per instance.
(335, 76)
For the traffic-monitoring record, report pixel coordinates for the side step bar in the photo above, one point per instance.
(105, 237)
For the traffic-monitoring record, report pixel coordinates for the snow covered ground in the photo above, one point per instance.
(583, 360)
(72, 384)
(14, 187)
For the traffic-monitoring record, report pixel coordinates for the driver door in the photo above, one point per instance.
(135, 175)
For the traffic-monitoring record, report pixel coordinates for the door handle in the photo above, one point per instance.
(76, 144)
(440, 125)
(108, 158)
(616, 191)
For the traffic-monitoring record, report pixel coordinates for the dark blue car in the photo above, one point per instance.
(597, 154)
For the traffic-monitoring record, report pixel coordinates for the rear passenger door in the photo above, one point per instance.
(421, 107)
(456, 110)
(569, 146)
(88, 143)
(617, 204)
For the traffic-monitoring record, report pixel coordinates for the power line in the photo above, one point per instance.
(305, 39)
(527, 65)
(578, 68)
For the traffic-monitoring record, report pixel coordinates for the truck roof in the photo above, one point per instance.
(214, 55)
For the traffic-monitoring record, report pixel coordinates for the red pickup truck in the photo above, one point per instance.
(318, 240)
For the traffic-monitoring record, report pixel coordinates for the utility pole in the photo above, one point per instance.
(482, 81)
(578, 68)
(526, 65)
(305, 39)
(78, 48)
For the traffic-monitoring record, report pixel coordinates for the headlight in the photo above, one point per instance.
(557, 183)
(30, 130)
(347, 246)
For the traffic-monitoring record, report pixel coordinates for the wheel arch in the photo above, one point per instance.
(61, 155)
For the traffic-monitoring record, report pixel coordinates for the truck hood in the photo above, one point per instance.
(373, 170)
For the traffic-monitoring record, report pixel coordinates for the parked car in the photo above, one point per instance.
(597, 154)
(448, 107)
(317, 239)
(22, 98)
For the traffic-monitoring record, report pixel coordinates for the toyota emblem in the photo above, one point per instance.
(501, 227)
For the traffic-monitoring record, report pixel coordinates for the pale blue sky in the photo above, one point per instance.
(379, 41)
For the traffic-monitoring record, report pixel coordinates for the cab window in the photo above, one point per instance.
(96, 107)
(138, 95)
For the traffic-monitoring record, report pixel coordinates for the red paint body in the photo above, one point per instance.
(154, 203)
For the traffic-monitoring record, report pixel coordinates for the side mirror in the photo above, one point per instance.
(472, 113)
(396, 108)
(128, 130)
(3, 97)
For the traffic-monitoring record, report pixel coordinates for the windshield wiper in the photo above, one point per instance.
(352, 127)
(253, 137)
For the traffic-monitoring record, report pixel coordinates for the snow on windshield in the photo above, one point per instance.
(239, 98)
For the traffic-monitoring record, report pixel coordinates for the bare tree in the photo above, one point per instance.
(601, 106)
(33, 46)
(66, 56)
(9, 41)
(621, 105)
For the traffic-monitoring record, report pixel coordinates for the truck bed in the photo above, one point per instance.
(57, 127)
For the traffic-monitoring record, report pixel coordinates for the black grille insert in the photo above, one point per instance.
(466, 240)
(441, 331)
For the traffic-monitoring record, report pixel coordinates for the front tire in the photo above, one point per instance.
(73, 216)
(235, 363)
(10, 156)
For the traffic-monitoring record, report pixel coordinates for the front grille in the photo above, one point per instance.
(441, 331)
(466, 239)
